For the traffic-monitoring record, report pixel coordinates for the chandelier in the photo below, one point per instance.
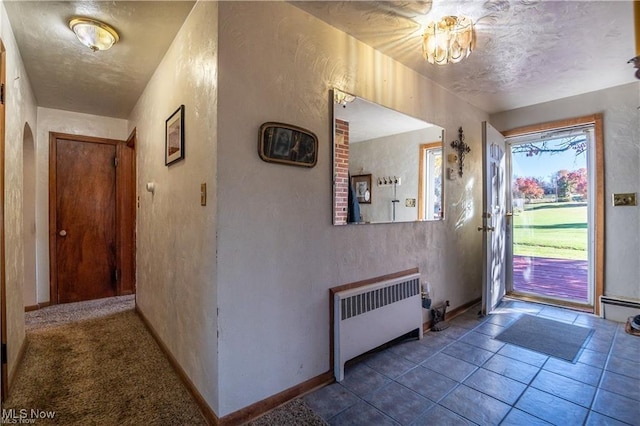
(449, 40)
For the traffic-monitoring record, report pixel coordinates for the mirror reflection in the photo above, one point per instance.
(387, 165)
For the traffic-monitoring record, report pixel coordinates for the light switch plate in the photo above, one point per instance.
(203, 194)
(626, 199)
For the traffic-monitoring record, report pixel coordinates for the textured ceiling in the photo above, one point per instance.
(67, 75)
(527, 51)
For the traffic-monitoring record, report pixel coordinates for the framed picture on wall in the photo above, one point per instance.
(362, 185)
(287, 144)
(174, 137)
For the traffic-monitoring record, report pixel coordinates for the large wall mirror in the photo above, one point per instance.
(387, 166)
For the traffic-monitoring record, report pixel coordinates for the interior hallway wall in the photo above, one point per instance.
(621, 116)
(55, 120)
(395, 155)
(20, 109)
(278, 253)
(176, 236)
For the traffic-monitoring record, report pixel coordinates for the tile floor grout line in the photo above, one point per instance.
(466, 348)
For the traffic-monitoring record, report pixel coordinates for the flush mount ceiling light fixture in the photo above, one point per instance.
(449, 40)
(94, 34)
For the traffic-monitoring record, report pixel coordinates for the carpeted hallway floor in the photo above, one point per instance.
(95, 363)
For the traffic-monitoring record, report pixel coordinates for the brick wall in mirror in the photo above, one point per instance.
(400, 156)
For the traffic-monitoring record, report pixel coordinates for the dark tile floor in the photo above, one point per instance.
(463, 376)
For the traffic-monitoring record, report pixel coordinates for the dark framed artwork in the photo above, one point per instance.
(362, 186)
(174, 137)
(287, 144)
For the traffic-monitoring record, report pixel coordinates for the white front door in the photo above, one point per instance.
(493, 212)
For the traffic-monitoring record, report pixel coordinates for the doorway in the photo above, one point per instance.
(29, 217)
(91, 223)
(504, 233)
(554, 196)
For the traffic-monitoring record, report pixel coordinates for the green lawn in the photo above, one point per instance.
(557, 230)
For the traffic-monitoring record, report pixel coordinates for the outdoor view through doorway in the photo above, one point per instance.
(551, 190)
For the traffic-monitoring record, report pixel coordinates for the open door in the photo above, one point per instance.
(494, 229)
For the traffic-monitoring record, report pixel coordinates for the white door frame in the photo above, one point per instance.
(596, 169)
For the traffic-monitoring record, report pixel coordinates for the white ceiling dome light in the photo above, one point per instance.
(94, 34)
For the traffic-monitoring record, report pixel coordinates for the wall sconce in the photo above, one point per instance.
(342, 98)
(462, 149)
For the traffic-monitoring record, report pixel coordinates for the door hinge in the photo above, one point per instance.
(115, 275)
(4, 353)
(115, 161)
(2, 93)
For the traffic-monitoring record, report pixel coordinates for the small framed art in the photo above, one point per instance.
(287, 144)
(362, 185)
(174, 137)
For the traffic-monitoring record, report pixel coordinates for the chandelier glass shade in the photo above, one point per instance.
(94, 34)
(449, 40)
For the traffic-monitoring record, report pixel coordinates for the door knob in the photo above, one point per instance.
(63, 233)
(486, 228)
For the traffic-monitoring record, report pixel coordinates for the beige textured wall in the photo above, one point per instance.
(619, 106)
(55, 120)
(20, 109)
(278, 253)
(395, 155)
(176, 237)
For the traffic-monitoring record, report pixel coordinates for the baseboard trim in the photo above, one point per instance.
(209, 415)
(259, 408)
(551, 302)
(618, 309)
(36, 306)
(14, 370)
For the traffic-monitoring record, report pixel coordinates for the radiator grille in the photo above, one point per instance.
(359, 304)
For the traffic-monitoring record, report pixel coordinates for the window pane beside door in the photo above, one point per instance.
(432, 184)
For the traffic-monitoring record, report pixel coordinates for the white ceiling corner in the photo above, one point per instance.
(527, 51)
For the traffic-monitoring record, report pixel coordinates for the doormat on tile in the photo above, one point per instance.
(554, 338)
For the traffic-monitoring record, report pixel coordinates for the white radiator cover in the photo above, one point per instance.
(369, 316)
(618, 309)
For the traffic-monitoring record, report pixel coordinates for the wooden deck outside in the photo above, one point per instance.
(556, 278)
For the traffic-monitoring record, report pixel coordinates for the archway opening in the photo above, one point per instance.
(29, 217)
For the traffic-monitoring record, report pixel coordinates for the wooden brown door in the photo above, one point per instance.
(85, 219)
